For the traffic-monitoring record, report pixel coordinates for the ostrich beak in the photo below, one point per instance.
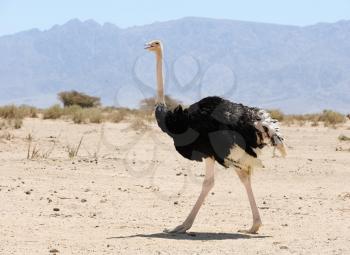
(147, 46)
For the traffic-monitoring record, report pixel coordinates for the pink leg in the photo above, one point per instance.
(208, 184)
(244, 176)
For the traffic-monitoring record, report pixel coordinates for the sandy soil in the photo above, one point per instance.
(125, 187)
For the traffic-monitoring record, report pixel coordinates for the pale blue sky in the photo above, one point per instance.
(18, 15)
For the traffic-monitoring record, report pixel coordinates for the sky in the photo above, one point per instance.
(19, 15)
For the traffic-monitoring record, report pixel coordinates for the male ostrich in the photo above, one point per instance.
(215, 129)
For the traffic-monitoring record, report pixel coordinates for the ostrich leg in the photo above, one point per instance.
(244, 176)
(207, 185)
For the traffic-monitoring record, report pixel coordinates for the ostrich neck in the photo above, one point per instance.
(160, 81)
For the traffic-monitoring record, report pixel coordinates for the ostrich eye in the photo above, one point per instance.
(157, 43)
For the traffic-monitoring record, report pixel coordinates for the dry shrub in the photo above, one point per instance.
(6, 136)
(144, 115)
(17, 123)
(94, 115)
(11, 123)
(138, 125)
(276, 114)
(10, 112)
(331, 118)
(71, 110)
(314, 124)
(328, 117)
(147, 104)
(53, 112)
(78, 117)
(75, 113)
(117, 116)
(83, 115)
(343, 138)
(28, 111)
(69, 98)
(17, 112)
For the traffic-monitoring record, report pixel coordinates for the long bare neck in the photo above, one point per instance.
(160, 81)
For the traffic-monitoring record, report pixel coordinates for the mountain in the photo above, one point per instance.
(296, 69)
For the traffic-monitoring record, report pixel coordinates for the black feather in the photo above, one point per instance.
(210, 128)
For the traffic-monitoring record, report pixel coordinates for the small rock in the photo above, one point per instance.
(264, 202)
(54, 251)
(176, 202)
(56, 209)
(300, 198)
(213, 193)
(284, 225)
(83, 200)
(178, 174)
(27, 192)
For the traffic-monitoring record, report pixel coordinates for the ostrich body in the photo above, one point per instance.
(215, 129)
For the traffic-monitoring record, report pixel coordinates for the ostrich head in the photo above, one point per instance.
(155, 46)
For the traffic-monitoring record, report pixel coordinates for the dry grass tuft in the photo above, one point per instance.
(53, 112)
(117, 116)
(73, 150)
(331, 118)
(276, 114)
(138, 125)
(94, 115)
(7, 136)
(18, 112)
(343, 138)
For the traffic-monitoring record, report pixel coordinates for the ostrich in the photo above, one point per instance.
(215, 129)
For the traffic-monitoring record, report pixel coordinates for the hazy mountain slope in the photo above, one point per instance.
(297, 69)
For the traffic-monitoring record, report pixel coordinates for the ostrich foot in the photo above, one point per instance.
(181, 229)
(253, 230)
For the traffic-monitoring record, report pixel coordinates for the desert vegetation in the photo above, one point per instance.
(69, 98)
(81, 108)
(329, 118)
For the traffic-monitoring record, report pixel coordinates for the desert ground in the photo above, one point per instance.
(124, 187)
